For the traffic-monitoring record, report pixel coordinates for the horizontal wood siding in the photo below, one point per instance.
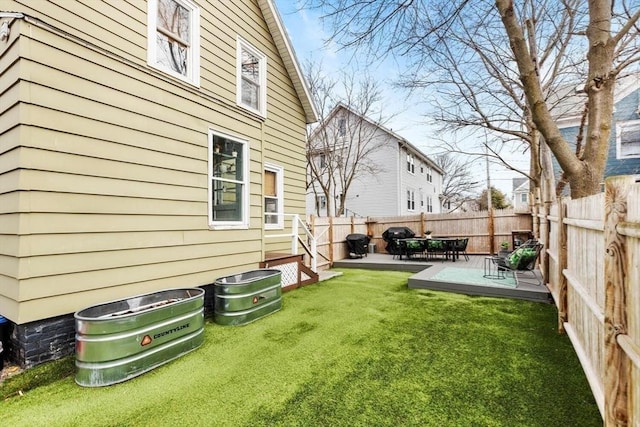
(103, 160)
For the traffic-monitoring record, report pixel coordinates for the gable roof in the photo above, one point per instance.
(281, 39)
(568, 101)
(399, 139)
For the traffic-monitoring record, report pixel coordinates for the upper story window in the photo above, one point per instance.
(273, 197)
(251, 78)
(429, 175)
(173, 38)
(323, 160)
(411, 167)
(342, 127)
(228, 182)
(628, 139)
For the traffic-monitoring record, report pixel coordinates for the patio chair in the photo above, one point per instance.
(460, 247)
(411, 248)
(522, 260)
(436, 247)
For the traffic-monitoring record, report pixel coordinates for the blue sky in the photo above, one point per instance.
(308, 36)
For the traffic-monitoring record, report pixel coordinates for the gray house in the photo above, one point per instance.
(395, 178)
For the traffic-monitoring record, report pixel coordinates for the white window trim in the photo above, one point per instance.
(244, 222)
(279, 171)
(619, 127)
(193, 75)
(411, 200)
(262, 107)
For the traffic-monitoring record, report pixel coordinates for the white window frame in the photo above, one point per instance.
(619, 128)
(262, 78)
(193, 51)
(411, 167)
(411, 200)
(429, 204)
(342, 127)
(321, 201)
(243, 223)
(279, 171)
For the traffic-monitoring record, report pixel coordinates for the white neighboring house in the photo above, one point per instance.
(396, 178)
(521, 194)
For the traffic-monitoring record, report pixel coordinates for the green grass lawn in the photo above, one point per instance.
(357, 350)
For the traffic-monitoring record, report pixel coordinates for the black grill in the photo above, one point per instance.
(391, 234)
(357, 245)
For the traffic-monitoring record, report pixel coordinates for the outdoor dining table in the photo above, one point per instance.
(449, 245)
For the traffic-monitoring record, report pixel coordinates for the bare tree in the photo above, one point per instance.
(458, 183)
(340, 146)
(527, 45)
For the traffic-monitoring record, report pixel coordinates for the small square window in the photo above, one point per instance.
(251, 78)
(173, 38)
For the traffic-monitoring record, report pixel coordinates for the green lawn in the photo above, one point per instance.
(358, 350)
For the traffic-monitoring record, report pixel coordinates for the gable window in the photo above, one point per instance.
(323, 160)
(411, 200)
(628, 139)
(273, 197)
(251, 78)
(342, 128)
(228, 182)
(173, 38)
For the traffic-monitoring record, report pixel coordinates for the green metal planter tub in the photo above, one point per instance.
(119, 340)
(245, 297)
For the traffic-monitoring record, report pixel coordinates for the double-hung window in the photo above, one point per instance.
(411, 200)
(411, 167)
(342, 127)
(628, 139)
(251, 78)
(173, 38)
(273, 200)
(228, 182)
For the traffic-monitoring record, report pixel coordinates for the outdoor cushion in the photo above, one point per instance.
(521, 257)
(414, 245)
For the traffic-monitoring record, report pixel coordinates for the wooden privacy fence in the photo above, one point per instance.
(592, 270)
(591, 265)
(331, 232)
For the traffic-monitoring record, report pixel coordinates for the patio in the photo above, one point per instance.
(463, 277)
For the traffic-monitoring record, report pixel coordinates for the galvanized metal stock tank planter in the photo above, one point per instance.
(119, 340)
(245, 297)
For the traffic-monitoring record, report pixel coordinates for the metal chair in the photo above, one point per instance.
(521, 260)
(460, 247)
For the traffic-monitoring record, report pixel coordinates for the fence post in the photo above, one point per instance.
(561, 267)
(491, 231)
(617, 364)
(330, 241)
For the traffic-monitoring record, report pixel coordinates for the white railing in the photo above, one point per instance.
(310, 245)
